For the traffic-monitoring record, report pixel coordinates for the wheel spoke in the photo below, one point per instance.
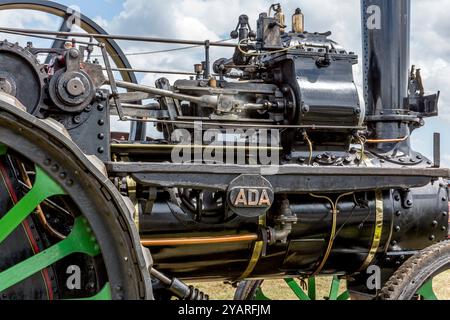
(260, 295)
(44, 187)
(296, 289)
(80, 240)
(312, 288)
(334, 289)
(427, 291)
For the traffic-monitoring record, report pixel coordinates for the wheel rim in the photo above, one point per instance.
(419, 278)
(80, 240)
(426, 292)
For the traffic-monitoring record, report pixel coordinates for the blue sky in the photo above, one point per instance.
(214, 19)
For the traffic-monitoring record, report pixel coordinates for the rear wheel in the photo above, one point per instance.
(302, 289)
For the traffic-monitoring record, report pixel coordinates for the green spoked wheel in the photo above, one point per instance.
(65, 232)
(301, 289)
(425, 276)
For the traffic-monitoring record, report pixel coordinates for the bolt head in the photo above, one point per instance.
(74, 53)
(75, 87)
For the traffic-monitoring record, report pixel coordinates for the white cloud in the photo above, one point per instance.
(214, 19)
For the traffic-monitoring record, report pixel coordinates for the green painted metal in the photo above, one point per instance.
(297, 290)
(427, 292)
(312, 288)
(3, 150)
(103, 295)
(334, 289)
(44, 187)
(80, 240)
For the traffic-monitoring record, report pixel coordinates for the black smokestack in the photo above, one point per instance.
(386, 47)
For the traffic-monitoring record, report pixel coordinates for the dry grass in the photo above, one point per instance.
(278, 290)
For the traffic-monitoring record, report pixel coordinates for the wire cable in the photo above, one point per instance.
(334, 206)
(129, 54)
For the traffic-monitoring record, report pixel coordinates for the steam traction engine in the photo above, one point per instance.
(270, 165)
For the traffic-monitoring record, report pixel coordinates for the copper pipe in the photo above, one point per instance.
(198, 240)
(386, 140)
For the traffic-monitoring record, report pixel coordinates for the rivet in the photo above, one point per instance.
(101, 136)
(100, 107)
(55, 167)
(77, 119)
(101, 122)
(397, 197)
(398, 213)
(69, 183)
(432, 237)
(101, 150)
(394, 242)
(397, 228)
(444, 228)
(63, 175)
(434, 223)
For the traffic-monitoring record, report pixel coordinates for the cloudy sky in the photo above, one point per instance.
(214, 19)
